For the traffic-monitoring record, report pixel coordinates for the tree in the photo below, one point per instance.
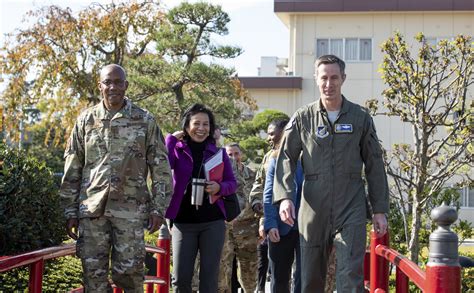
(247, 133)
(432, 92)
(53, 65)
(169, 84)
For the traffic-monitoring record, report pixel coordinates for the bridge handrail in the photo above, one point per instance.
(443, 272)
(35, 260)
(409, 268)
(15, 261)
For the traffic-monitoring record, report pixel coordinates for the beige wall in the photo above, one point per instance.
(285, 100)
(363, 80)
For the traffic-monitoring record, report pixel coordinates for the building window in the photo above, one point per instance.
(322, 47)
(349, 49)
(467, 197)
(433, 41)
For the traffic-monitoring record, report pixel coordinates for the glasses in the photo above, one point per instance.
(116, 82)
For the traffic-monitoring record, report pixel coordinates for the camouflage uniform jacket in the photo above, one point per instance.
(245, 179)
(108, 160)
(256, 194)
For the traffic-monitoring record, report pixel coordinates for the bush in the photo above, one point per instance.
(30, 214)
(467, 282)
(60, 275)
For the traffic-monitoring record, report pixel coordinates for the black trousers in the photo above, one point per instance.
(262, 256)
(187, 240)
(282, 254)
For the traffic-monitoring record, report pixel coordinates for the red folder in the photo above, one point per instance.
(214, 171)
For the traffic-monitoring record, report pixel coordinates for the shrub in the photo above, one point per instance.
(60, 275)
(31, 219)
(30, 215)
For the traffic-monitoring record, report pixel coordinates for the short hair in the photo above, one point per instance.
(234, 144)
(330, 59)
(113, 66)
(279, 123)
(193, 110)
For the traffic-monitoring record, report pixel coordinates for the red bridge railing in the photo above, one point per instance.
(442, 275)
(35, 260)
(443, 272)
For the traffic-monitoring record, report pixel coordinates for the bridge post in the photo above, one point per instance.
(163, 261)
(378, 265)
(443, 272)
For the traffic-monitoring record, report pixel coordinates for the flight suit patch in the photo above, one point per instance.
(343, 128)
(322, 131)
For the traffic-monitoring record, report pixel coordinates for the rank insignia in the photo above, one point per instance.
(322, 131)
(343, 128)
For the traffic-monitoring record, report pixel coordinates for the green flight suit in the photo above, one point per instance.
(333, 203)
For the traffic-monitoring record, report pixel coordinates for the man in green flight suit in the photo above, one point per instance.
(113, 148)
(336, 140)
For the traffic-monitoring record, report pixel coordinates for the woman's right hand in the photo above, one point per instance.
(179, 134)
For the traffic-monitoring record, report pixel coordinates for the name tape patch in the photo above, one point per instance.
(343, 128)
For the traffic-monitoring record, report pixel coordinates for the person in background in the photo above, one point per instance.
(336, 142)
(242, 232)
(113, 148)
(274, 133)
(283, 245)
(196, 229)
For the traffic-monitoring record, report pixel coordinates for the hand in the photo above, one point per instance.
(179, 134)
(154, 223)
(274, 235)
(257, 207)
(287, 212)
(379, 222)
(261, 232)
(71, 227)
(212, 187)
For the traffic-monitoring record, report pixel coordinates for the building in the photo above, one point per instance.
(354, 31)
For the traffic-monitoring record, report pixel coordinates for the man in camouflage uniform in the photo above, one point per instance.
(113, 148)
(336, 141)
(242, 232)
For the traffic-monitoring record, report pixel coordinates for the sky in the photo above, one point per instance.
(254, 27)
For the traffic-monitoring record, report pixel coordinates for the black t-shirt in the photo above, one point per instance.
(207, 212)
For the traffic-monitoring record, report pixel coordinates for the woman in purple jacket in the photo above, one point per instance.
(196, 228)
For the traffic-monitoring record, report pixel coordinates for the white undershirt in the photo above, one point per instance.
(332, 116)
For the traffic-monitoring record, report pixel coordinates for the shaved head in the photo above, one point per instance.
(112, 67)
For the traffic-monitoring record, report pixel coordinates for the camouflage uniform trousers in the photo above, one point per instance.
(125, 237)
(195, 281)
(241, 242)
(331, 272)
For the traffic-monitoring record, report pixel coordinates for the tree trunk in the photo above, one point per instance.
(413, 246)
(178, 91)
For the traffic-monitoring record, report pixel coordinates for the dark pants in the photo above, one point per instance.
(282, 254)
(262, 256)
(187, 239)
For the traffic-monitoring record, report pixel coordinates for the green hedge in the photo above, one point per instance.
(60, 275)
(31, 218)
(30, 215)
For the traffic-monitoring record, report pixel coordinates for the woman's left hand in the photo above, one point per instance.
(212, 187)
